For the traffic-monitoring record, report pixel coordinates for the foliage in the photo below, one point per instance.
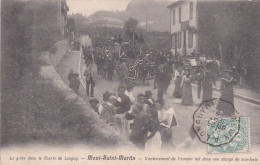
(131, 23)
(234, 25)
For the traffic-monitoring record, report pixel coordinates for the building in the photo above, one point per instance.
(62, 17)
(182, 25)
(216, 28)
(108, 22)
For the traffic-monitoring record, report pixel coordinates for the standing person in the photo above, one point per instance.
(76, 83)
(123, 71)
(149, 99)
(167, 119)
(186, 88)
(153, 142)
(207, 84)
(90, 79)
(123, 105)
(70, 77)
(129, 91)
(139, 113)
(178, 78)
(161, 81)
(168, 72)
(108, 112)
(226, 103)
(110, 68)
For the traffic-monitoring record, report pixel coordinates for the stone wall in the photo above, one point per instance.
(61, 49)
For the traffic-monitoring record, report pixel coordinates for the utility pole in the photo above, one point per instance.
(146, 22)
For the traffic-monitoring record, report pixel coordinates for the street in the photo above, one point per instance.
(73, 60)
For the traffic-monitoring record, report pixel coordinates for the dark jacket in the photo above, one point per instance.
(124, 105)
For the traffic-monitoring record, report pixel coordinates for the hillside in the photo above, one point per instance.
(159, 20)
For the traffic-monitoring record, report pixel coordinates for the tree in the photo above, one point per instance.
(131, 23)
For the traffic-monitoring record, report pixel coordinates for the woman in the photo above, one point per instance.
(178, 78)
(226, 102)
(139, 112)
(167, 119)
(207, 85)
(153, 140)
(186, 88)
(109, 110)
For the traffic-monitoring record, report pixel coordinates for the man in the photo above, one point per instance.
(90, 80)
(149, 99)
(161, 80)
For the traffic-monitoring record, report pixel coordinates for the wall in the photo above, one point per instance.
(61, 49)
(48, 72)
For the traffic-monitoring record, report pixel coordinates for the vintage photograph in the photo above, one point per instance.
(130, 82)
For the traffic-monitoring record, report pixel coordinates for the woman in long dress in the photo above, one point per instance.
(207, 86)
(186, 88)
(153, 140)
(178, 78)
(226, 102)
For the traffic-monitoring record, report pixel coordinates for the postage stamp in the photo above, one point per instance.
(222, 132)
(240, 143)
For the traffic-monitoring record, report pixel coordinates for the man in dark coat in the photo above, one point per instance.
(123, 103)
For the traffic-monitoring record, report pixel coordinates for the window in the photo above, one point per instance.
(179, 14)
(173, 41)
(179, 39)
(191, 10)
(190, 41)
(173, 17)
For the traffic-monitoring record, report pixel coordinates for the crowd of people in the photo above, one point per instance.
(145, 122)
(142, 119)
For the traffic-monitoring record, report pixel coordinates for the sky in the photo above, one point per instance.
(88, 7)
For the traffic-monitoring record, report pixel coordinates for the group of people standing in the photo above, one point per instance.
(142, 120)
(205, 74)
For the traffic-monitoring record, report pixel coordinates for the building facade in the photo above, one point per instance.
(183, 22)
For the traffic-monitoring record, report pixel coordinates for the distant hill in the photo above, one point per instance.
(157, 13)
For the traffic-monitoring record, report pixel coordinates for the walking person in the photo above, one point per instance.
(226, 104)
(178, 78)
(186, 88)
(207, 82)
(90, 79)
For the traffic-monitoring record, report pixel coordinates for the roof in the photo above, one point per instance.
(176, 3)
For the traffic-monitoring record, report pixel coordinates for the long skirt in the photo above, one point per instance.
(207, 91)
(177, 91)
(122, 125)
(154, 143)
(226, 103)
(187, 94)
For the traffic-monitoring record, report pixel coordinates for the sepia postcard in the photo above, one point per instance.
(130, 82)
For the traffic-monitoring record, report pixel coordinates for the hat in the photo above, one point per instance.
(93, 100)
(111, 98)
(227, 71)
(147, 93)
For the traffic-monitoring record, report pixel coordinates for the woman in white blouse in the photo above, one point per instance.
(167, 119)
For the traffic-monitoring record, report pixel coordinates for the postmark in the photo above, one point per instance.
(239, 144)
(212, 128)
